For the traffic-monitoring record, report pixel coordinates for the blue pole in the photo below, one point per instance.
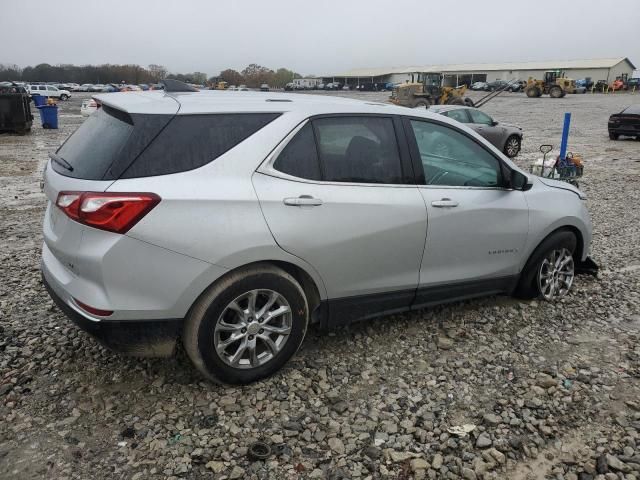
(565, 136)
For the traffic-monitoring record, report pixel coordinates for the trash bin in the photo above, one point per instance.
(15, 109)
(49, 116)
(39, 100)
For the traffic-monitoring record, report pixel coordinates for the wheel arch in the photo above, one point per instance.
(578, 254)
(309, 285)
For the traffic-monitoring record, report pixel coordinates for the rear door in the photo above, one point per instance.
(338, 193)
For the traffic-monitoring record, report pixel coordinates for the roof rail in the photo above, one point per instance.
(176, 86)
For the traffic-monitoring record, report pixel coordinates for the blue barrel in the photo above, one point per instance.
(49, 116)
(39, 100)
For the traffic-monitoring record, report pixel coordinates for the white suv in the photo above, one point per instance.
(233, 220)
(49, 91)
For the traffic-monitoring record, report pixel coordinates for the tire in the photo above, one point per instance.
(512, 146)
(420, 103)
(533, 92)
(468, 102)
(64, 97)
(455, 101)
(613, 136)
(537, 267)
(211, 321)
(556, 92)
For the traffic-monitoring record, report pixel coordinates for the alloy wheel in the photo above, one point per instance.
(555, 275)
(253, 329)
(513, 146)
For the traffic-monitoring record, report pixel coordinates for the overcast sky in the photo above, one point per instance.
(314, 36)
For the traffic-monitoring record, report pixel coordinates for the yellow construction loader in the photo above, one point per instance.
(428, 91)
(555, 84)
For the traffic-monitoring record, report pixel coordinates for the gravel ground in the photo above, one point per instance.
(551, 390)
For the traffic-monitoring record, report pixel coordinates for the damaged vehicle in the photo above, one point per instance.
(234, 222)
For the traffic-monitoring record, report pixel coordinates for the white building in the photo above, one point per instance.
(598, 69)
(307, 83)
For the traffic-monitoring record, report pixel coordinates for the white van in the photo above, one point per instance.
(49, 91)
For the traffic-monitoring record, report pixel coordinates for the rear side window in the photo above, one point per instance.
(94, 146)
(358, 150)
(458, 114)
(191, 141)
(300, 158)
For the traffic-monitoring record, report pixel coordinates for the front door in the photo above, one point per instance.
(477, 228)
(484, 125)
(337, 196)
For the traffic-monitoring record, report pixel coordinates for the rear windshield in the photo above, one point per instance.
(112, 144)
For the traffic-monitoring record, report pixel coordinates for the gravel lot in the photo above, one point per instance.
(553, 390)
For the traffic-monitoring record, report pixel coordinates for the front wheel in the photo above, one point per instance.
(64, 97)
(550, 270)
(512, 146)
(247, 326)
(613, 136)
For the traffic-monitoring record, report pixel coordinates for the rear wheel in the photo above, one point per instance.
(64, 97)
(555, 92)
(468, 102)
(247, 326)
(420, 103)
(533, 92)
(456, 101)
(512, 146)
(550, 270)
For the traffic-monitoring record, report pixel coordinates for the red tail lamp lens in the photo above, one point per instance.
(93, 310)
(112, 211)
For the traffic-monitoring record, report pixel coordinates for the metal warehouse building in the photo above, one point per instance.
(598, 69)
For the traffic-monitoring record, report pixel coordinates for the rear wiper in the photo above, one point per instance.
(61, 161)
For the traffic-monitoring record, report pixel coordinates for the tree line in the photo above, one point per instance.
(252, 76)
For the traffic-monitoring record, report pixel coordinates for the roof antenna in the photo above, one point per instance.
(171, 85)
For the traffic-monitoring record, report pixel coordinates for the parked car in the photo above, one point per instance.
(506, 138)
(517, 86)
(496, 85)
(74, 87)
(49, 91)
(584, 82)
(110, 88)
(85, 87)
(633, 84)
(96, 87)
(626, 123)
(143, 86)
(243, 88)
(264, 87)
(238, 246)
(88, 107)
(479, 86)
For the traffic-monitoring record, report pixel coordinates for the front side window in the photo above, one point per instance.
(451, 158)
(358, 150)
(480, 117)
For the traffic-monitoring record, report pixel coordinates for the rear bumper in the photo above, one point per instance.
(629, 130)
(141, 338)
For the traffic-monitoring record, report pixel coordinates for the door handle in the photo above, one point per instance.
(445, 202)
(302, 201)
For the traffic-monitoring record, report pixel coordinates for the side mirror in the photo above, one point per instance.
(519, 181)
(494, 123)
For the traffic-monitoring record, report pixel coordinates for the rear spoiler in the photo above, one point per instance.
(176, 86)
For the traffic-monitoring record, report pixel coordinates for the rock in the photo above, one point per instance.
(546, 381)
(216, 467)
(436, 463)
(483, 441)
(616, 464)
(601, 464)
(336, 445)
(445, 343)
(419, 464)
(340, 406)
(397, 457)
(372, 452)
(236, 472)
(497, 455)
(468, 474)
(316, 473)
(492, 419)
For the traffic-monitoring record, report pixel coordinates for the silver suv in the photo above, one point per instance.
(234, 220)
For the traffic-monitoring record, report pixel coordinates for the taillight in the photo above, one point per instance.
(93, 310)
(112, 211)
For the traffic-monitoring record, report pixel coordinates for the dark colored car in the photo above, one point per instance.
(496, 85)
(627, 123)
